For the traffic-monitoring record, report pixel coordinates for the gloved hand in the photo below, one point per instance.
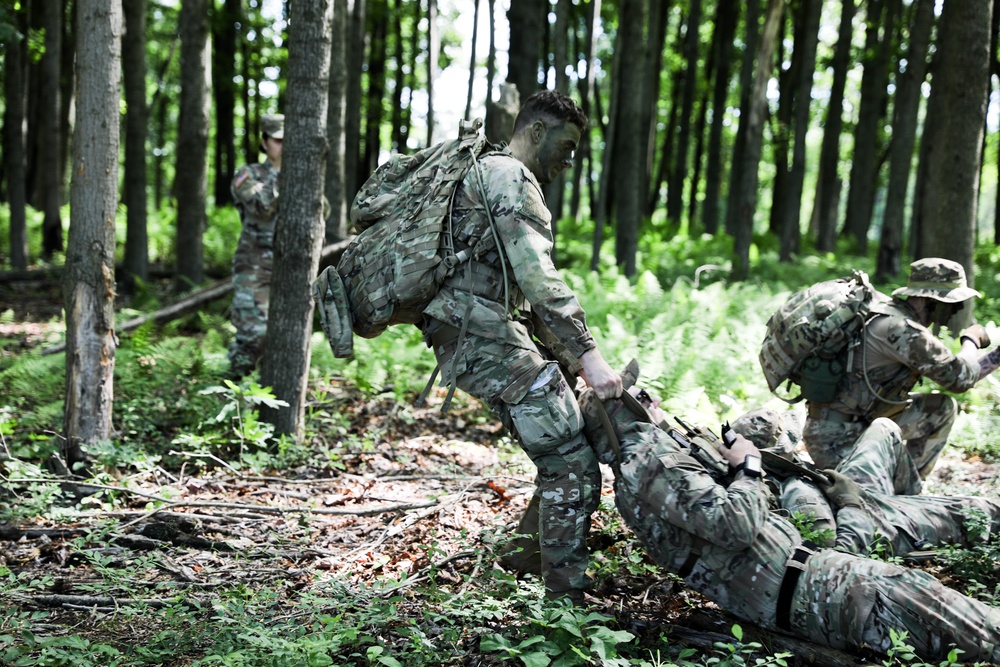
(842, 491)
(977, 334)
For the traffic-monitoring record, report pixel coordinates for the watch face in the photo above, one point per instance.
(751, 465)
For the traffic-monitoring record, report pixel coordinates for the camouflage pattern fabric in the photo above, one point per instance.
(506, 296)
(898, 351)
(255, 193)
(904, 523)
(741, 549)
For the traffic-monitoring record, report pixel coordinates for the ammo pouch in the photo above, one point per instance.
(334, 311)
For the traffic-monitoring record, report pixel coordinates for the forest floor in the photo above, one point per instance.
(419, 503)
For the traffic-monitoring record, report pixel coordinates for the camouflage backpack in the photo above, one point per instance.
(810, 340)
(403, 251)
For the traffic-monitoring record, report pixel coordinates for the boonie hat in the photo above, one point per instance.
(273, 125)
(768, 429)
(937, 278)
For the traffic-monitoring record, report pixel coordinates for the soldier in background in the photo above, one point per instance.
(726, 544)
(255, 193)
(506, 329)
(897, 351)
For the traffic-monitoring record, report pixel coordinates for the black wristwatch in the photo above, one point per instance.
(752, 466)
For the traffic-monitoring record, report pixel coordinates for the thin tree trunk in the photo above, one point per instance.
(727, 15)
(828, 187)
(136, 261)
(658, 19)
(904, 131)
(526, 19)
(628, 155)
(604, 198)
(586, 87)
(192, 142)
(755, 131)
(750, 52)
(89, 280)
(15, 162)
(675, 191)
(51, 129)
(299, 238)
(433, 49)
(352, 119)
(376, 82)
(336, 193)
(472, 60)
(224, 73)
(400, 129)
(807, 42)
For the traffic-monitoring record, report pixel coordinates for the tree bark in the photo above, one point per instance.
(874, 84)
(727, 15)
(224, 88)
(959, 92)
(586, 87)
(89, 280)
(433, 49)
(675, 191)
(755, 130)
(336, 192)
(805, 55)
(192, 140)
(50, 133)
(472, 60)
(828, 186)
(352, 118)
(15, 163)
(378, 16)
(629, 156)
(750, 52)
(904, 131)
(299, 237)
(136, 263)
(526, 19)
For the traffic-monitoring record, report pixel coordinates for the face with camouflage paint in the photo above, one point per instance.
(553, 146)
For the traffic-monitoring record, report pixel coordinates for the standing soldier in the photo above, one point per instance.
(255, 192)
(897, 351)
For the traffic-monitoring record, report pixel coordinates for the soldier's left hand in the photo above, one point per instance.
(598, 374)
(842, 491)
(977, 334)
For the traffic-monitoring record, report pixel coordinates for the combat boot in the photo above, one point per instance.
(524, 554)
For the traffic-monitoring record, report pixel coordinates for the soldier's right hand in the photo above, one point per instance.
(977, 334)
(842, 491)
(600, 376)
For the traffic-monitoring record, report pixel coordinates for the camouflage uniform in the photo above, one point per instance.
(505, 298)
(255, 194)
(752, 562)
(897, 352)
(903, 523)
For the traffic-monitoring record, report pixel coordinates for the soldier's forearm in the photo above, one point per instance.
(989, 363)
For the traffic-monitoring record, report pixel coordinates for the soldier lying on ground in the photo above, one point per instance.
(859, 508)
(727, 545)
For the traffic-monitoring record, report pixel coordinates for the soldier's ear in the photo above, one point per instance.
(537, 131)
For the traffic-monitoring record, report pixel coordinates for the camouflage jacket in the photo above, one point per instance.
(538, 301)
(255, 193)
(898, 351)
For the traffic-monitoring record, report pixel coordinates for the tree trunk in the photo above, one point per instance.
(336, 193)
(781, 120)
(433, 49)
(755, 131)
(15, 163)
(527, 20)
(874, 84)
(805, 48)
(400, 110)
(89, 280)
(959, 91)
(472, 60)
(376, 82)
(352, 118)
(192, 140)
(554, 191)
(50, 133)
(658, 19)
(586, 86)
(299, 238)
(628, 155)
(675, 191)
(727, 15)
(904, 131)
(224, 75)
(750, 52)
(136, 263)
(828, 186)
(602, 210)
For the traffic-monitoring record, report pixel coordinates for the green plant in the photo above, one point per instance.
(901, 653)
(805, 523)
(733, 654)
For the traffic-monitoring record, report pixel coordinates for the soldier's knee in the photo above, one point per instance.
(548, 420)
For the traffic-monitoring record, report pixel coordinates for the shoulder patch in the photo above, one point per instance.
(241, 177)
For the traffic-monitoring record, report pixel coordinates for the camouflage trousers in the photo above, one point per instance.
(925, 425)
(534, 401)
(251, 297)
(904, 523)
(846, 601)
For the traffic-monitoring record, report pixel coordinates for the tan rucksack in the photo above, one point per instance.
(811, 338)
(404, 250)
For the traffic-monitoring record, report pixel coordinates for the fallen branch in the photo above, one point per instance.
(89, 601)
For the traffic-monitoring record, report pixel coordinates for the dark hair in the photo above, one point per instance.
(549, 105)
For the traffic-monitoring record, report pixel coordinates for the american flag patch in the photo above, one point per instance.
(240, 178)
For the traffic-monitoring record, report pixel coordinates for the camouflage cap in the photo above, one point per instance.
(273, 125)
(768, 429)
(937, 278)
